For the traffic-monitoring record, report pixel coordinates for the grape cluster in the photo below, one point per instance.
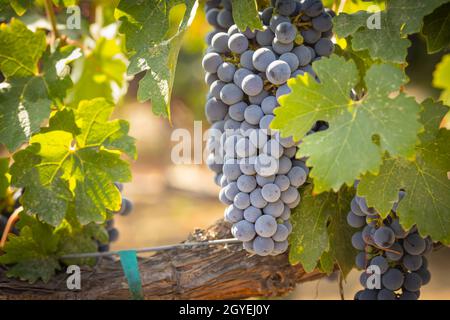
(399, 254)
(113, 233)
(247, 73)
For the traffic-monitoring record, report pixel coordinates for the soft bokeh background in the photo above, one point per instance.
(172, 200)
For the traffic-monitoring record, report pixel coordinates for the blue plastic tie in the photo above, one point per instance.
(130, 266)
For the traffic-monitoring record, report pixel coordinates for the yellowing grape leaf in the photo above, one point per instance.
(145, 25)
(62, 169)
(441, 79)
(360, 132)
(386, 40)
(425, 181)
(320, 228)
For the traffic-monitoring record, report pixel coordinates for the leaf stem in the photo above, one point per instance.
(51, 16)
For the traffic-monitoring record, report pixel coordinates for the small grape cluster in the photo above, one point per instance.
(113, 233)
(247, 73)
(399, 254)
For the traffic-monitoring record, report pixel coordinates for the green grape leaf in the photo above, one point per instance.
(20, 49)
(320, 231)
(28, 93)
(21, 6)
(4, 181)
(24, 104)
(386, 41)
(355, 125)
(441, 79)
(245, 14)
(62, 169)
(425, 181)
(35, 253)
(103, 73)
(436, 29)
(32, 253)
(326, 264)
(146, 26)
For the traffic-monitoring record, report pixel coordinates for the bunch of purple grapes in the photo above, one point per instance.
(113, 232)
(247, 73)
(399, 255)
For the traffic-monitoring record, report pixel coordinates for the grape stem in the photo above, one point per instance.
(51, 16)
(13, 218)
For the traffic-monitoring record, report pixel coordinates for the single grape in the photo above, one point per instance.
(266, 165)
(355, 221)
(395, 252)
(236, 111)
(313, 8)
(266, 226)
(215, 110)
(264, 37)
(262, 58)
(247, 165)
(285, 7)
(223, 198)
(252, 84)
(392, 279)
(246, 60)
(285, 165)
(238, 43)
(113, 235)
(239, 76)
(231, 94)
(266, 15)
(262, 181)
(357, 241)
(273, 148)
(276, 20)
(256, 199)
(259, 97)
(278, 72)
(253, 114)
(226, 71)
(324, 47)
(323, 22)
(252, 213)
(243, 230)
(269, 104)
(280, 247)
(412, 263)
(220, 42)
(407, 295)
(384, 237)
(211, 17)
(361, 260)
(242, 200)
(263, 246)
(244, 148)
(280, 48)
(291, 59)
(231, 170)
(274, 209)
(225, 18)
(310, 36)
(413, 282)
(297, 176)
(381, 262)
(285, 32)
(211, 62)
(271, 192)
(286, 213)
(246, 183)
(414, 244)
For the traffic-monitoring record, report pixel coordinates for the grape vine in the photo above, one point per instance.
(317, 142)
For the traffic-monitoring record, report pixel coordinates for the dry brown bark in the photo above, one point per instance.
(214, 272)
